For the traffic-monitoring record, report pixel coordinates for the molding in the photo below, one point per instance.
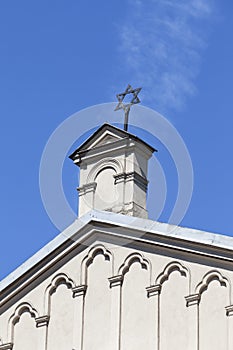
(60, 278)
(20, 309)
(7, 346)
(101, 165)
(116, 281)
(42, 321)
(139, 180)
(116, 132)
(210, 276)
(100, 139)
(171, 267)
(79, 291)
(192, 299)
(153, 290)
(229, 310)
(132, 258)
(129, 143)
(199, 243)
(89, 258)
(130, 209)
(15, 317)
(87, 188)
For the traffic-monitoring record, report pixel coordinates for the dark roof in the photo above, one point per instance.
(102, 129)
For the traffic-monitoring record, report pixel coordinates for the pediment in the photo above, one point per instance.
(104, 135)
(118, 231)
(89, 266)
(105, 138)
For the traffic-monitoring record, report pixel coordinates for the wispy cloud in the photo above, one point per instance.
(161, 45)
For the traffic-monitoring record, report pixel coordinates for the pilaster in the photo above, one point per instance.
(79, 296)
(86, 197)
(42, 325)
(132, 189)
(192, 302)
(153, 294)
(7, 346)
(229, 313)
(116, 295)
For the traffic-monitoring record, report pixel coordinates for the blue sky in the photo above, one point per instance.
(59, 57)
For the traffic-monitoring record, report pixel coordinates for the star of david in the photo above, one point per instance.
(126, 106)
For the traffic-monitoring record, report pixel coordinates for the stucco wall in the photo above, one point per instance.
(124, 298)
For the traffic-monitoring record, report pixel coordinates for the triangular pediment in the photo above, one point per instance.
(89, 266)
(105, 138)
(133, 229)
(104, 135)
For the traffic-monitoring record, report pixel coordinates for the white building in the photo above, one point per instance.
(120, 282)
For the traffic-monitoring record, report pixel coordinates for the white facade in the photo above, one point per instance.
(113, 172)
(120, 282)
(113, 281)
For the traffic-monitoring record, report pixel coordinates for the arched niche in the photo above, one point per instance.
(173, 313)
(96, 250)
(214, 291)
(59, 305)
(102, 164)
(96, 268)
(214, 275)
(172, 267)
(131, 259)
(103, 175)
(57, 280)
(22, 330)
(106, 193)
(137, 329)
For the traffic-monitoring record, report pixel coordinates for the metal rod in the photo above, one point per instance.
(126, 119)
(126, 107)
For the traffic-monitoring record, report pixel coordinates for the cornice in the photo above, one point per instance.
(117, 132)
(119, 227)
(229, 310)
(90, 187)
(8, 346)
(116, 281)
(42, 321)
(79, 291)
(193, 299)
(117, 147)
(132, 176)
(153, 290)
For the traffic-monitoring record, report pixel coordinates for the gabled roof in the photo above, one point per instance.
(113, 130)
(137, 230)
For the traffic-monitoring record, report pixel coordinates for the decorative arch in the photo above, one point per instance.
(171, 267)
(210, 276)
(59, 279)
(15, 317)
(89, 258)
(104, 163)
(132, 258)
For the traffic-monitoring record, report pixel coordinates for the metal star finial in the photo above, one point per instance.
(126, 106)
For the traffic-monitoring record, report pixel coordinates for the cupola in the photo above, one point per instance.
(113, 172)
